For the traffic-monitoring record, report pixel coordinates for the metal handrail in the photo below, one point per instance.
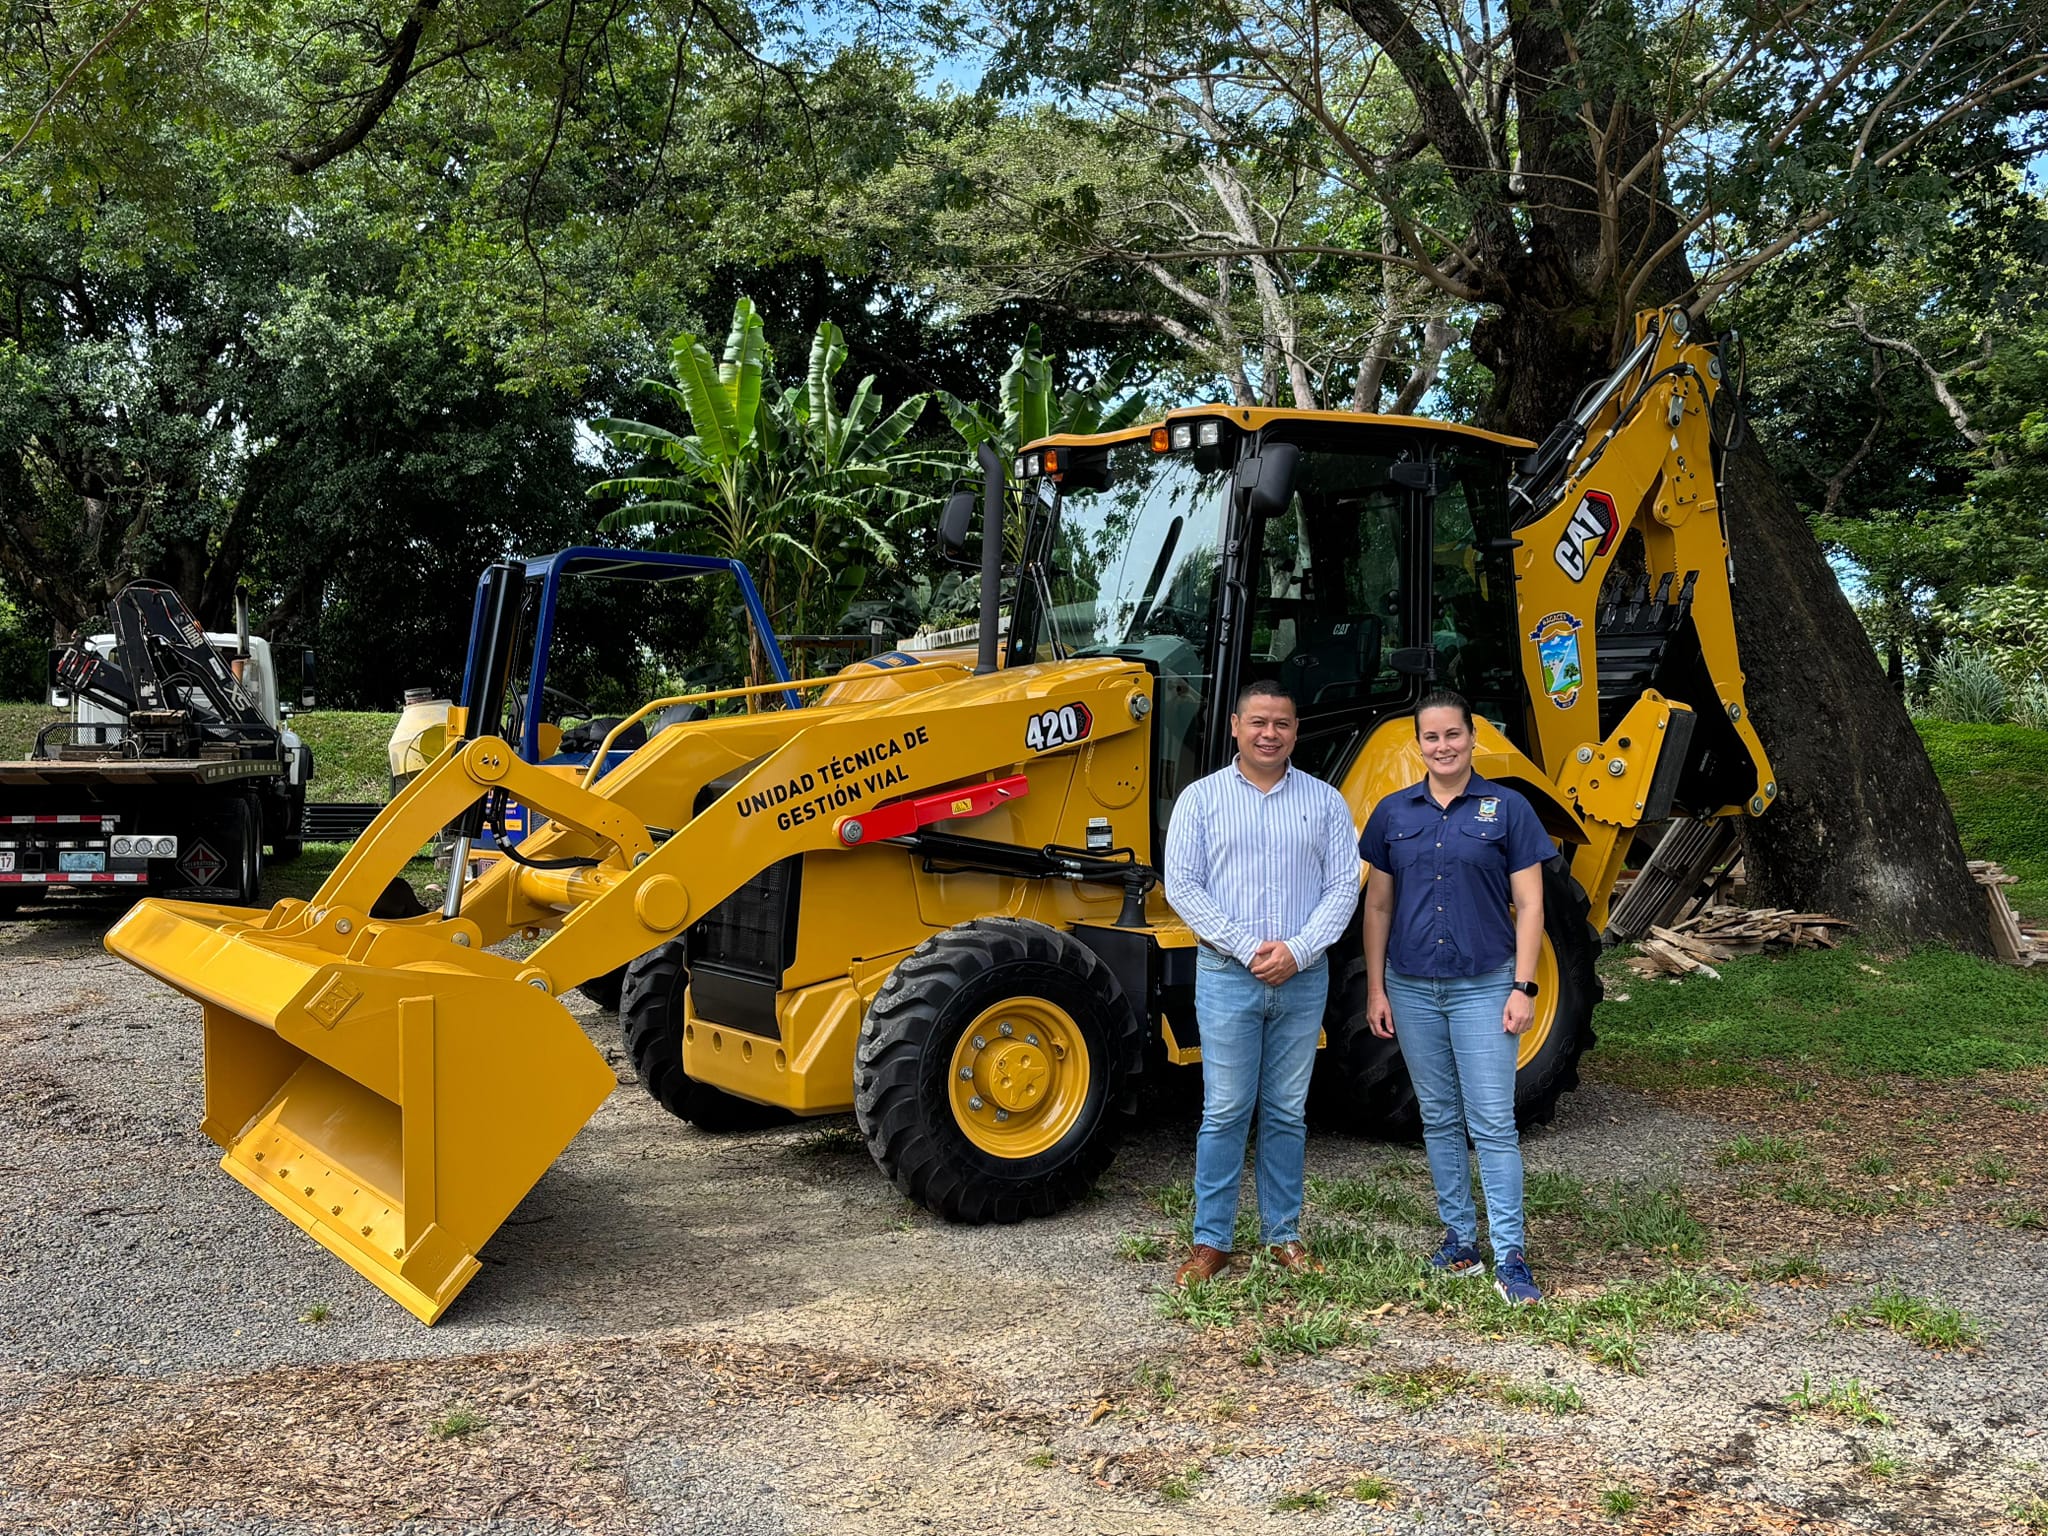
(750, 691)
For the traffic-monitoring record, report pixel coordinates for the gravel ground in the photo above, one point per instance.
(681, 1333)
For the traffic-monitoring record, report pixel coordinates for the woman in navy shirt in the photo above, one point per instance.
(1452, 976)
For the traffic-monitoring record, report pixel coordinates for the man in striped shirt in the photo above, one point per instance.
(1262, 862)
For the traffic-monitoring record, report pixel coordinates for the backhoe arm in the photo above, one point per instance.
(1624, 594)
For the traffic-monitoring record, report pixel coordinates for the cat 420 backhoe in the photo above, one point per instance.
(929, 896)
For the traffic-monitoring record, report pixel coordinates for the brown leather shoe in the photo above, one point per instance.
(1205, 1263)
(1295, 1259)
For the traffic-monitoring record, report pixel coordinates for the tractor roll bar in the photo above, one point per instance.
(992, 488)
(494, 623)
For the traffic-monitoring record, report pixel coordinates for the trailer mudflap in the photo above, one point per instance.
(391, 1100)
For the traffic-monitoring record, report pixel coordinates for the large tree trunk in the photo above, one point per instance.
(1860, 828)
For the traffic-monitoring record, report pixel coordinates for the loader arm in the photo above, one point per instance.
(813, 780)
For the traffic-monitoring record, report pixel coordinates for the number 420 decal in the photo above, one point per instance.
(1060, 727)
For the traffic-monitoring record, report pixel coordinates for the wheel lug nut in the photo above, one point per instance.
(975, 1102)
(967, 1074)
(1002, 1114)
(1004, 1028)
(1031, 1039)
(980, 1044)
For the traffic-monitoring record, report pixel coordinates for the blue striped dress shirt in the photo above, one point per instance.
(1245, 865)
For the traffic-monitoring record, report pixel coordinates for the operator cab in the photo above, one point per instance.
(1381, 567)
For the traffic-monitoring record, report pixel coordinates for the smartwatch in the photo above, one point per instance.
(1526, 988)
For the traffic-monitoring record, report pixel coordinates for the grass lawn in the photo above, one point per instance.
(1846, 1012)
(19, 724)
(1996, 777)
(351, 758)
(1851, 1012)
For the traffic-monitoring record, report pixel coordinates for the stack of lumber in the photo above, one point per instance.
(2013, 943)
(1690, 947)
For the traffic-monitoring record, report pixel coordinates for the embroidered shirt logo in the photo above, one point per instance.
(1489, 809)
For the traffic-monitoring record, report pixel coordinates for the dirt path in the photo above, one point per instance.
(756, 1334)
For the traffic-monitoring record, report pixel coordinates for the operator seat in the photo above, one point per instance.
(1337, 660)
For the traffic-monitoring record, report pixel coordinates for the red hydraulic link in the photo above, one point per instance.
(900, 817)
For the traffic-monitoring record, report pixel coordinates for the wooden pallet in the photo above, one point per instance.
(2010, 941)
(1689, 852)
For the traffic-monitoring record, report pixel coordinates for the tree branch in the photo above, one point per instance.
(106, 41)
(1936, 379)
(398, 70)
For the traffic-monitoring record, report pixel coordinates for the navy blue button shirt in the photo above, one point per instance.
(1450, 866)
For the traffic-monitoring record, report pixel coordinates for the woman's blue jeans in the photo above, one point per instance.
(1258, 1049)
(1463, 1066)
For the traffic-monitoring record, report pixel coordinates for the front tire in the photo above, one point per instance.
(1369, 1081)
(997, 1072)
(651, 1019)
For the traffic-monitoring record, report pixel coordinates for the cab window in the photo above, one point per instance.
(1329, 602)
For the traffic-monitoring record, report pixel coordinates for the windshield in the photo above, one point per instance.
(1132, 558)
(1125, 562)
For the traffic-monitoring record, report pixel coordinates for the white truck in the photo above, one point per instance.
(173, 772)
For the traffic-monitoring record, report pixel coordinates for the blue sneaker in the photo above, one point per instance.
(1511, 1278)
(1456, 1257)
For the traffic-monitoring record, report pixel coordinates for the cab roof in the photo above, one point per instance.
(1254, 418)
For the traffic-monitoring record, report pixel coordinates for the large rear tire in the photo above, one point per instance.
(651, 1019)
(230, 829)
(997, 1072)
(1368, 1081)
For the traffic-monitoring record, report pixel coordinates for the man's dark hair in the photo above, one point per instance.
(1264, 688)
(1443, 698)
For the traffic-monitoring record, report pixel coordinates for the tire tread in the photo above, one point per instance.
(909, 1017)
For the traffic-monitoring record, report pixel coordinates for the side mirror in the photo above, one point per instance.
(306, 694)
(1267, 478)
(956, 520)
(59, 695)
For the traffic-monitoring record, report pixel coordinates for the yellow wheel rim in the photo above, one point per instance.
(1019, 1078)
(1531, 1040)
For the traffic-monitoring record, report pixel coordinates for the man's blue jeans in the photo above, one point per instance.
(1258, 1049)
(1463, 1066)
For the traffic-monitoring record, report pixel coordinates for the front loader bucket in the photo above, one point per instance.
(395, 1096)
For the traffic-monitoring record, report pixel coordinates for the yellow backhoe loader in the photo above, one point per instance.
(929, 895)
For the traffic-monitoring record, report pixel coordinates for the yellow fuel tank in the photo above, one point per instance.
(419, 735)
